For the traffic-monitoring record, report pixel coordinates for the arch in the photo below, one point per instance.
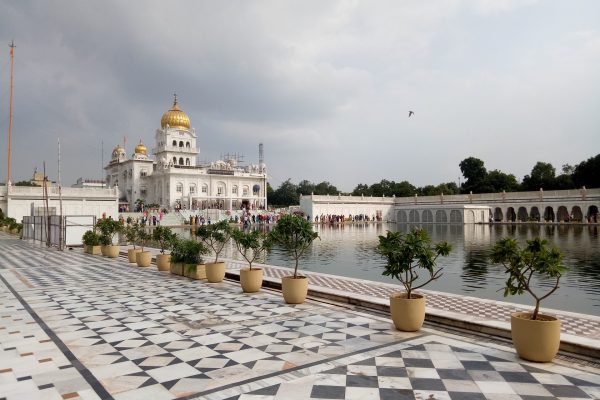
(180, 160)
(511, 215)
(413, 216)
(498, 215)
(469, 216)
(187, 161)
(534, 214)
(181, 143)
(192, 188)
(592, 213)
(187, 145)
(576, 214)
(562, 214)
(179, 187)
(427, 216)
(175, 160)
(456, 217)
(522, 214)
(245, 190)
(549, 214)
(401, 216)
(205, 188)
(234, 189)
(441, 216)
(221, 188)
(174, 143)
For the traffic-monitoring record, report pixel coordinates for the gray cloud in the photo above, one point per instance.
(326, 86)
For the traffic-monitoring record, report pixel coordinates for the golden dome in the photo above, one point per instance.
(141, 149)
(175, 118)
(117, 151)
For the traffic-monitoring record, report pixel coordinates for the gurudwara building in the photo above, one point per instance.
(174, 179)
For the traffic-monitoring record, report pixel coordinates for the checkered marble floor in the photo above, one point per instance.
(79, 326)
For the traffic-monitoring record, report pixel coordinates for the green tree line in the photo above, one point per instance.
(477, 179)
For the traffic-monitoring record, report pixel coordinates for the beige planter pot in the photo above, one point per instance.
(143, 258)
(215, 272)
(537, 340)
(294, 290)
(163, 262)
(104, 250)
(87, 249)
(131, 254)
(96, 250)
(408, 314)
(177, 268)
(195, 271)
(251, 279)
(112, 251)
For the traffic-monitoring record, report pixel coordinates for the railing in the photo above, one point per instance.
(188, 150)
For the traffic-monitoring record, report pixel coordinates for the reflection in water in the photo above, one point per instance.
(349, 250)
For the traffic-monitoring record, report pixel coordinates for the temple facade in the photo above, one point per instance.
(173, 179)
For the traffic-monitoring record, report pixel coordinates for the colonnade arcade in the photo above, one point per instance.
(547, 213)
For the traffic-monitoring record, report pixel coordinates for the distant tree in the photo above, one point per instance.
(402, 189)
(324, 188)
(543, 175)
(568, 169)
(474, 171)
(26, 183)
(445, 188)
(497, 181)
(361, 189)
(306, 187)
(587, 173)
(287, 194)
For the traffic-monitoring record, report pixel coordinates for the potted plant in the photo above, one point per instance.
(536, 336)
(252, 246)
(164, 236)
(143, 258)
(131, 235)
(215, 236)
(193, 265)
(177, 256)
(295, 234)
(91, 241)
(108, 229)
(405, 255)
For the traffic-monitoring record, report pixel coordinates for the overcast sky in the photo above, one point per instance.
(325, 85)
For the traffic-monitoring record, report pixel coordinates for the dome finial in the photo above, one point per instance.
(174, 99)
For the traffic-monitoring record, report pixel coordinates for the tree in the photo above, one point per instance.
(474, 171)
(306, 187)
(26, 183)
(325, 187)
(361, 190)
(542, 177)
(498, 181)
(587, 173)
(286, 194)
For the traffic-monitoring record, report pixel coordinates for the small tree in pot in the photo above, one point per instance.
(143, 258)
(215, 236)
(108, 229)
(131, 235)
(405, 255)
(192, 252)
(165, 238)
(536, 336)
(91, 242)
(252, 246)
(295, 234)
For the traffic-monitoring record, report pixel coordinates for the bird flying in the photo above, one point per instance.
(410, 113)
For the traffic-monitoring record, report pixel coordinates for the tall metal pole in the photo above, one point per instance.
(102, 165)
(62, 219)
(10, 118)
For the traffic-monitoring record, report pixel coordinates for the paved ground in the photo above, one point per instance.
(79, 326)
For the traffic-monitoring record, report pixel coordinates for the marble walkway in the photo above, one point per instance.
(76, 326)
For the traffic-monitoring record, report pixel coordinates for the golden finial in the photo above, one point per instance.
(174, 99)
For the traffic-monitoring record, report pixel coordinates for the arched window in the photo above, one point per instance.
(192, 189)
(175, 160)
(181, 143)
(245, 191)
(179, 187)
(234, 190)
(187, 144)
(205, 188)
(174, 143)
(187, 161)
(180, 160)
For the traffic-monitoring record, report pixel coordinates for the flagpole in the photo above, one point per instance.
(10, 118)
